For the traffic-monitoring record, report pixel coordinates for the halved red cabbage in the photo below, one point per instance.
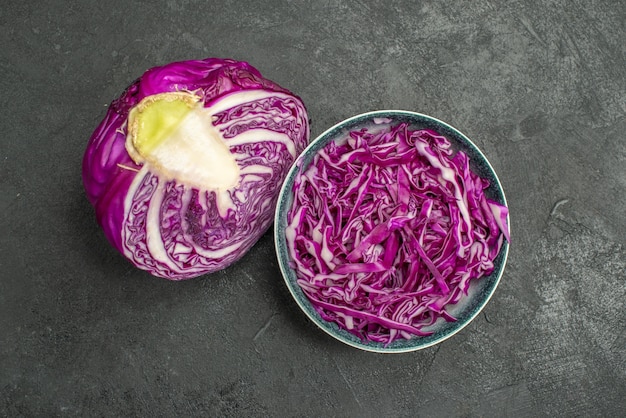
(185, 169)
(388, 227)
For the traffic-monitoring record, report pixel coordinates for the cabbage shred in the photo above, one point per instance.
(387, 228)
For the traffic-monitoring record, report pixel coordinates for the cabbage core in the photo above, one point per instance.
(173, 133)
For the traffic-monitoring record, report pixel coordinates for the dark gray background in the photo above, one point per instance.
(540, 86)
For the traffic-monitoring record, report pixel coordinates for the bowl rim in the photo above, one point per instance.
(286, 189)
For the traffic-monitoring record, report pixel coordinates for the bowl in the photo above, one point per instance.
(480, 291)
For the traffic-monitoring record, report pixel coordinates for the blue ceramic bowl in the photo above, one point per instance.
(480, 291)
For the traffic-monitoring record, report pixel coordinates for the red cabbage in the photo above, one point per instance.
(185, 169)
(387, 228)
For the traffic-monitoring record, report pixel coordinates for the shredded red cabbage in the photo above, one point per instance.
(387, 228)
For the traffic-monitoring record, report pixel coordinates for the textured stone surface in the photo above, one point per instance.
(539, 85)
